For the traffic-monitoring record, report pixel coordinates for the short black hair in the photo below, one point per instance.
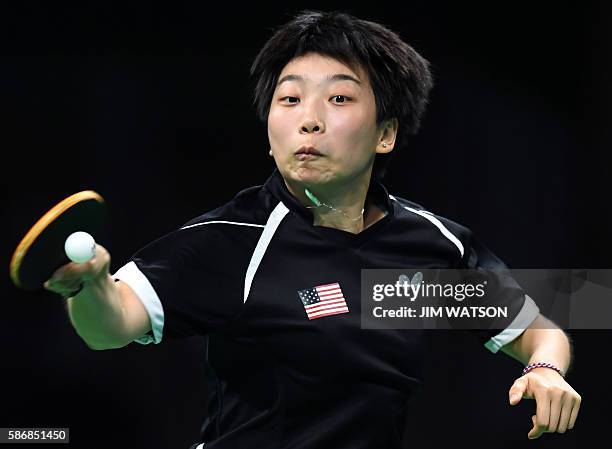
(400, 78)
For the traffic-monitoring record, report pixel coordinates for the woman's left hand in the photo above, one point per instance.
(557, 403)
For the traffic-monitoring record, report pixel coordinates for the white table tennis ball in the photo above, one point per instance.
(80, 247)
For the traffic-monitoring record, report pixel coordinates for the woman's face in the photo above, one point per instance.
(322, 123)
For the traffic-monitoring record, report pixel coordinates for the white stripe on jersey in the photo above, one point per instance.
(274, 220)
(437, 223)
(223, 222)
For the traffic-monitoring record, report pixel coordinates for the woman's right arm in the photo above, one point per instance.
(105, 314)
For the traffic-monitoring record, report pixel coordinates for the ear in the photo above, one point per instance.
(388, 134)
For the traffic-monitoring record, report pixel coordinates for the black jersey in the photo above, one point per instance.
(282, 376)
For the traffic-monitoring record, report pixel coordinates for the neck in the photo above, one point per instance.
(348, 202)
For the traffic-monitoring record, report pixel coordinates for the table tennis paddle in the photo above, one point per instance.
(41, 251)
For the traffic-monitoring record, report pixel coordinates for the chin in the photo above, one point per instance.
(309, 175)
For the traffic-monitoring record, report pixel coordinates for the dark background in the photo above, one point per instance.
(151, 107)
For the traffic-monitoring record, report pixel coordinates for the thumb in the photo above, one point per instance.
(517, 390)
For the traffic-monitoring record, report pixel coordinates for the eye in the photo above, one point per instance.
(287, 99)
(340, 99)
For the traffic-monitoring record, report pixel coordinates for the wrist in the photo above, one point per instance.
(542, 365)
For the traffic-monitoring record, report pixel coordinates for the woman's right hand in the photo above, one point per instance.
(68, 280)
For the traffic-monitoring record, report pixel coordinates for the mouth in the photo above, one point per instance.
(307, 152)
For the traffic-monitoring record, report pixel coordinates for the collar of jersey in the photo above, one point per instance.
(276, 186)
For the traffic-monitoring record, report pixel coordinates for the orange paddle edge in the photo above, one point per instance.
(55, 212)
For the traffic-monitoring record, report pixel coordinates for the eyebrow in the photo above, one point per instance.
(328, 78)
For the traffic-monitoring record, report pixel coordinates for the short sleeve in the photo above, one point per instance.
(504, 291)
(189, 281)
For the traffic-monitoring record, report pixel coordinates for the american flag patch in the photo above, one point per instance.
(323, 300)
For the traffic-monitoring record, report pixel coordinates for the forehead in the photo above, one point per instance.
(314, 65)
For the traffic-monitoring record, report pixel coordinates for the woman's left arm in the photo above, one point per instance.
(557, 403)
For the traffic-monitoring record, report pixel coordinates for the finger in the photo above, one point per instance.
(534, 432)
(566, 414)
(74, 292)
(556, 404)
(66, 273)
(537, 430)
(68, 293)
(517, 390)
(58, 274)
(99, 264)
(63, 287)
(542, 413)
(574, 414)
(66, 282)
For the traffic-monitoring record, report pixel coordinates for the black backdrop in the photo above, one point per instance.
(151, 107)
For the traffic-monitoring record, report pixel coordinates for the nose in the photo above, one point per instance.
(312, 126)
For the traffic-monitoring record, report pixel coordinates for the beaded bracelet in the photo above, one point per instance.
(542, 365)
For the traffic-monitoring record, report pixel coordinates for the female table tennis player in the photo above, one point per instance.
(339, 94)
